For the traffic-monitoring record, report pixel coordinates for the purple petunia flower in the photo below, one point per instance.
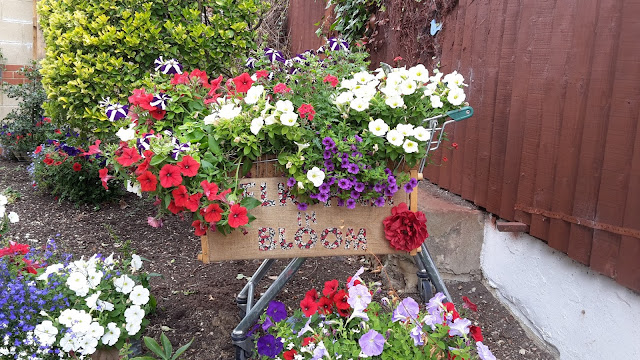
(323, 197)
(359, 187)
(324, 188)
(388, 172)
(358, 138)
(291, 182)
(302, 206)
(435, 304)
(344, 184)
(277, 311)
(116, 111)
(372, 343)
(269, 346)
(313, 196)
(330, 181)
(459, 327)
(413, 182)
(353, 168)
(338, 44)
(160, 101)
(407, 309)
(328, 142)
(391, 180)
(274, 55)
(340, 202)
(408, 188)
(355, 195)
(483, 351)
(351, 204)
(378, 187)
(171, 66)
(251, 63)
(379, 202)
(330, 167)
(267, 323)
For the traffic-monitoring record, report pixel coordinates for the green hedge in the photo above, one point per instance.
(97, 48)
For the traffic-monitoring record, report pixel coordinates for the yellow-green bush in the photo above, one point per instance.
(97, 48)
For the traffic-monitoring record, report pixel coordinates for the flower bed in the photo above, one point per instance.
(338, 133)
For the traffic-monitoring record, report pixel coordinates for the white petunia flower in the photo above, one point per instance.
(111, 335)
(92, 301)
(289, 118)
(256, 125)
(254, 94)
(419, 73)
(212, 119)
(454, 80)
(348, 84)
(405, 129)
(13, 217)
(359, 104)
(127, 134)
(437, 76)
(410, 146)
(78, 282)
(391, 91)
(105, 305)
(94, 277)
(456, 96)
(408, 87)
(139, 295)
(88, 345)
(344, 98)
(271, 119)
(123, 284)
(3, 200)
(363, 77)
(421, 133)
(378, 127)
(132, 327)
(430, 89)
(134, 314)
(136, 262)
(284, 106)
(300, 185)
(229, 111)
(394, 101)
(51, 269)
(134, 187)
(395, 137)
(316, 176)
(95, 330)
(46, 333)
(81, 322)
(436, 102)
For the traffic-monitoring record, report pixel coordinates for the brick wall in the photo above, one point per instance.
(12, 75)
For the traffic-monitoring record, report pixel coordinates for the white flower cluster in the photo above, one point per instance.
(12, 216)
(224, 109)
(84, 330)
(283, 112)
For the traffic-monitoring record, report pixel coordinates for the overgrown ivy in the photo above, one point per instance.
(352, 16)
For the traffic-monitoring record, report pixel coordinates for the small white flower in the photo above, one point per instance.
(46, 333)
(3, 200)
(88, 345)
(254, 94)
(78, 282)
(229, 111)
(81, 321)
(316, 176)
(51, 269)
(105, 305)
(378, 127)
(456, 96)
(395, 137)
(436, 102)
(13, 217)
(421, 133)
(94, 277)
(256, 125)
(300, 185)
(271, 119)
(132, 328)
(405, 129)
(212, 119)
(359, 104)
(111, 335)
(410, 146)
(454, 80)
(395, 101)
(363, 77)
(92, 301)
(437, 76)
(289, 165)
(344, 98)
(136, 262)
(289, 118)
(127, 134)
(419, 73)
(139, 295)
(134, 187)
(123, 284)
(301, 146)
(96, 330)
(391, 91)
(348, 84)
(408, 87)
(134, 314)
(284, 106)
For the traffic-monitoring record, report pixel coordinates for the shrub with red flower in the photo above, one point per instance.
(405, 229)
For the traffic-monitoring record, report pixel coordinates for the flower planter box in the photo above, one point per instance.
(282, 231)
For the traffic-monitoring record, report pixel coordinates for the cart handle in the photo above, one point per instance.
(461, 114)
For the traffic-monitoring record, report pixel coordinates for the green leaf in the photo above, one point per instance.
(166, 344)
(246, 166)
(213, 145)
(181, 350)
(153, 346)
(158, 159)
(250, 202)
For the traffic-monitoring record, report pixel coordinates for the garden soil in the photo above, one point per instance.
(196, 301)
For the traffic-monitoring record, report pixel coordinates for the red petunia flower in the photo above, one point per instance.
(180, 78)
(243, 82)
(313, 294)
(148, 181)
(14, 248)
(469, 305)
(142, 99)
(325, 305)
(129, 156)
(340, 299)
(405, 229)
(212, 213)
(289, 354)
(188, 166)
(261, 73)
(47, 160)
(157, 113)
(308, 306)
(476, 333)
(170, 176)
(57, 131)
(201, 76)
(451, 308)
(193, 202)
(281, 89)
(308, 340)
(211, 191)
(77, 167)
(93, 149)
(330, 288)
(38, 149)
(180, 196)
(200, 227)
(175, 209)
(144, 166)
(215, 84)
(397, 58)
(331, 80)
(237, 216)
(104, 177)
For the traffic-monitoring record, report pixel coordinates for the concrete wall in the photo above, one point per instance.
(16, 42)
(583, 314)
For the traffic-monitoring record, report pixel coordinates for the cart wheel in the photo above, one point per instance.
(424, 287)
(241, 354)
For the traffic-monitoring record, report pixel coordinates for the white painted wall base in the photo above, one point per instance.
(584, 315)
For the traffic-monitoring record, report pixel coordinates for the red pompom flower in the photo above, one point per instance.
(406, 230)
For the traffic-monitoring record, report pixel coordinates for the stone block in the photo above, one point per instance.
(16, 32)
(16, 53)
(17, 10)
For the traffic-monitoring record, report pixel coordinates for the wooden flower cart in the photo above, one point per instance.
(281, 231)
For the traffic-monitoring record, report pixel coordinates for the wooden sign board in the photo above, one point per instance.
(281, 231)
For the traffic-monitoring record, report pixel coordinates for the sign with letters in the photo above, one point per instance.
(282, 231)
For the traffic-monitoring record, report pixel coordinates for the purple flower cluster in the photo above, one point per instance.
(269, 345)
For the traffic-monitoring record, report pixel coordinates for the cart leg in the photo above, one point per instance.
(242, 298)
(426, 265)
(239, 337)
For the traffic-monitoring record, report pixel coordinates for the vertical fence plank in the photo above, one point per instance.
(502, 111)
(595, 125)
(616, 167)
(552, 110)
(303, 15)
(575, 107)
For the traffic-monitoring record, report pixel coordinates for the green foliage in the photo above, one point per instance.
(24, 128)
(98, 49)
(55, 172)
(164, 351)
(352, 17)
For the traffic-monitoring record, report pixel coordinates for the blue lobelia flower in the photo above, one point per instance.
(116, 111)
(160, 101)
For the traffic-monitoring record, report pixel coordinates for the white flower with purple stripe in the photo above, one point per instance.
(251, 63)
(171, 66)
(116, 112)
(105, 102)
(160, 101)
(274, 55)
(338, 44)
(143, 143)
(158, 63)
(178, 148)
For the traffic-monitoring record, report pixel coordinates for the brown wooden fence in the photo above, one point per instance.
(554, 141)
